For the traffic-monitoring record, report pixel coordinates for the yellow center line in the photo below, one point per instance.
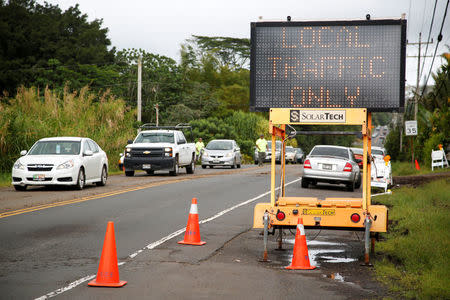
(108, 194)
(87, 198)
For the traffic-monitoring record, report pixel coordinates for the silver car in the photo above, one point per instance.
(299, 155)
(290, 155)
(221, 153)
(331, 164)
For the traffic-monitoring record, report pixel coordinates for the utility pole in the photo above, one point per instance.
(139, 91)
(416, 96)
(157, 113)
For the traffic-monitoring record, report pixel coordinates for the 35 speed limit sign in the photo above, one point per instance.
(410, 127)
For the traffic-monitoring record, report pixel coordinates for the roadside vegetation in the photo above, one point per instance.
(403, 168)
(432, 121)
(413, 257)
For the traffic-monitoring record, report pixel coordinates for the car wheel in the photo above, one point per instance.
(81, 180)
(129, 173)
(305, 183)
(176, 168)
(150, 172)
(203, 167)
(256, 162)
(239, 166)
(234, 164)
(191, 168)
(20, 187)
(351, 186)
(103, 178)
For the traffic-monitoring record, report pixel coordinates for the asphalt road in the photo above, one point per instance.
(46, 249)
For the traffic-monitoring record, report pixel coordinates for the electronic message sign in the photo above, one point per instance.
(332, 64)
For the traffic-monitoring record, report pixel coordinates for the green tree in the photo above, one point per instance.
(42, 40)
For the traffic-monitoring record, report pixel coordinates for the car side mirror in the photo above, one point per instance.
(23, 152)
(88, 153)
(130, 142)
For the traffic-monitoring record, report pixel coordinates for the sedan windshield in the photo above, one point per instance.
(277, 145)
(377, 152)
(155, 137)
(219, 145)
(56, 148)
(330, 151)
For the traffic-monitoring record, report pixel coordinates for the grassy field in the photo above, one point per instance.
(401, 168)
(413, 258)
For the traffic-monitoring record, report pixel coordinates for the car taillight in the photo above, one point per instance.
(280, 215)
(307, 164)
(348, 167)
(355, 218)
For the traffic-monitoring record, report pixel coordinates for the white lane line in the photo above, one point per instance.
(66, 288)
(157, 243)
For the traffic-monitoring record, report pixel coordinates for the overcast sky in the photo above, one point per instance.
(161, 26)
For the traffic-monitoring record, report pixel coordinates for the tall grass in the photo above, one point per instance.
(414, 258)
(402, 168)
(28, 117)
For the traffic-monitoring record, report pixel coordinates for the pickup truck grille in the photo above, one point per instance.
(147, 152)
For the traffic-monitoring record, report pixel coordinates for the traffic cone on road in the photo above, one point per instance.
(417, 165)
(108, 270)
(300, 258)
(192, 234)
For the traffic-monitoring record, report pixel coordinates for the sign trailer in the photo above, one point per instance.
(326, 73)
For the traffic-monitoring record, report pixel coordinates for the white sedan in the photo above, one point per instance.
(61, 161)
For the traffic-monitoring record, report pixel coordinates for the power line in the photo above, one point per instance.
(435, 50)
(429, 35)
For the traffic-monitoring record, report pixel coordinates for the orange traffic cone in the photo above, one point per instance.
(417, 165)
(300, 258)
(192, 234)
(108, 271)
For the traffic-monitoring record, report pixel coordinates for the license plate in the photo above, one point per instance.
(326, 167)
(146, 166)
(216, 161)
(319, 212)
(39, 177)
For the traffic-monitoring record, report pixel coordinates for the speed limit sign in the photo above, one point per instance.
(410, 127)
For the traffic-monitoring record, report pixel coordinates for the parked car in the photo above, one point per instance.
(378, 152)
(61, 161)
(268, 157)
(290, 155)
(221, 153)
(299, 155)
(358, 154)
(331, 164)
(159, 149)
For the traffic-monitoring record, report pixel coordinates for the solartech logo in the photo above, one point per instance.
(317, 116)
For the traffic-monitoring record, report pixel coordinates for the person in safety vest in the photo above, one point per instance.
(261, 147)
(199, 148)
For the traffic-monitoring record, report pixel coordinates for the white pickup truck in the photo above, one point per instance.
(159, 149)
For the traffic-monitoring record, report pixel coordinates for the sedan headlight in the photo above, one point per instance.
(128, 150)
(205, 154)
(229, 154)
(66, 165)
(19, 165)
